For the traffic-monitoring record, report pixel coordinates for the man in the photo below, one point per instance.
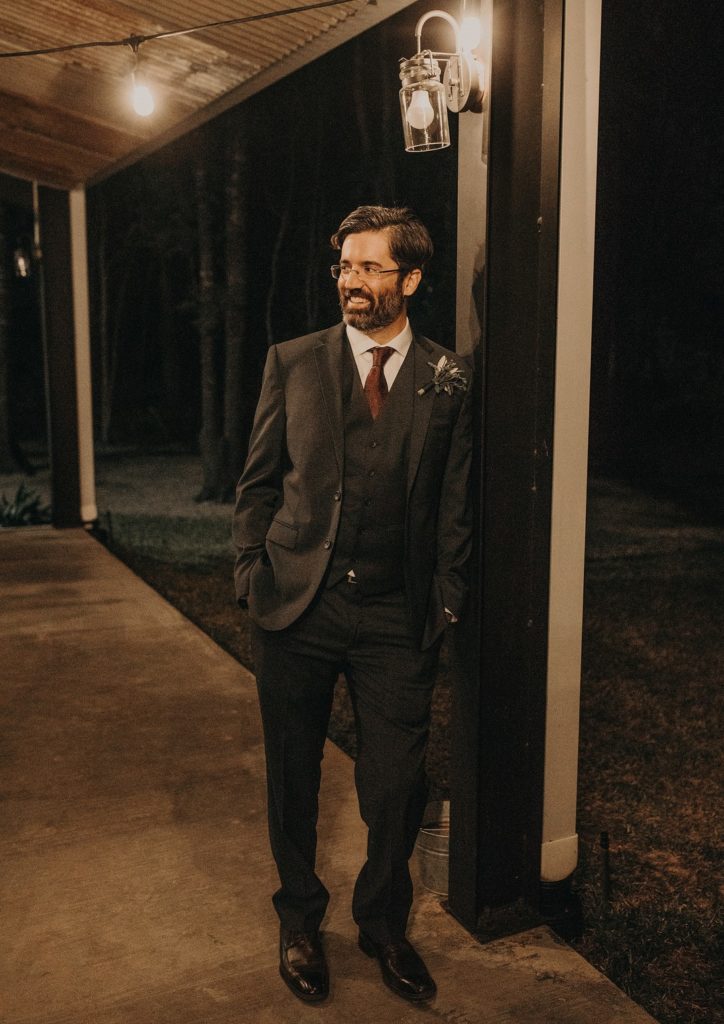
(352, 527)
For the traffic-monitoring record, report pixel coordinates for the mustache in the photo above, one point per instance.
(349, 293)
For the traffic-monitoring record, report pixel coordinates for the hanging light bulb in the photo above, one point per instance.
(141, 96)
(420, 114)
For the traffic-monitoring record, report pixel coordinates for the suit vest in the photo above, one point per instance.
(371, 535)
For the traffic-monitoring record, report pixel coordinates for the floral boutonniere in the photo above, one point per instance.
(448, 377)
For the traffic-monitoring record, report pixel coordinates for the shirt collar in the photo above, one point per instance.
(361, 342)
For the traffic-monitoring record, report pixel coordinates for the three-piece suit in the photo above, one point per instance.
(353, 536)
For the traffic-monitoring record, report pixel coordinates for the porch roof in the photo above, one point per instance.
(66, 118)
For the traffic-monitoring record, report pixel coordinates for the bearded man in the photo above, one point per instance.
(353, 530)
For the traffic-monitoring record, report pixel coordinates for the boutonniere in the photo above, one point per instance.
(447, 377)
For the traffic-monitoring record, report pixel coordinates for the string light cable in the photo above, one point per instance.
(135, 41)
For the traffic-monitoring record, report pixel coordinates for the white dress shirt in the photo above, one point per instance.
(362, 345)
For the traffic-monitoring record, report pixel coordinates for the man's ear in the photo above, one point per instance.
(411, 282)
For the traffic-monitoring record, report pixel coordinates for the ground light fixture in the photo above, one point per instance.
(425, 99)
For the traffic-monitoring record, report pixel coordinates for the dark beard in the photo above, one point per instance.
(383, 309)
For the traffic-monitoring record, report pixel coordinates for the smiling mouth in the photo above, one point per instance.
(355, 299)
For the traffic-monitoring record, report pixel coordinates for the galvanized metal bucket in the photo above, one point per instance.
(433, 845)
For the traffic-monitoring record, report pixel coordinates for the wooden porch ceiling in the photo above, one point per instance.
(66, 118)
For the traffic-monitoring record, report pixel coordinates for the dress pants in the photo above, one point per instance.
(390, 682)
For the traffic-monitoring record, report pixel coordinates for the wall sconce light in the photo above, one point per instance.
(425, 99)
(141, 95)
(22, 263)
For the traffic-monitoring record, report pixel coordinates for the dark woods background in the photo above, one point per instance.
(657, 394)
(218, 246)
(215, 247)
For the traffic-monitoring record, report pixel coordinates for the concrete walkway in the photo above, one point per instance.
(135, 873)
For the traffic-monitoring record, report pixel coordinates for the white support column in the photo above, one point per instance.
(472, 197)
(81, 317)
(581, 62)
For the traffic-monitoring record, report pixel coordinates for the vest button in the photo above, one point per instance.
(371, 473)
(337, 495)
(327, 544)
(373, 444)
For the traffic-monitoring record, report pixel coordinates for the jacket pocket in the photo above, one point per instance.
(282, 533)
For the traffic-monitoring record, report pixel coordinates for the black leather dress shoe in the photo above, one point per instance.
(303, 966)
(403, 969)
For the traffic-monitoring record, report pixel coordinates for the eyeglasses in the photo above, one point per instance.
(365, 273)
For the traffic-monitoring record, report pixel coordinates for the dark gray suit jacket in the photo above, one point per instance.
(289, 496)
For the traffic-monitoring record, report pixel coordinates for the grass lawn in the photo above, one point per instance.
(650, 753)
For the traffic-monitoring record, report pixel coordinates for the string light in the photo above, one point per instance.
(142, 98)
(136, 40)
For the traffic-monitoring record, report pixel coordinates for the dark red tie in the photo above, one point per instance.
(375, 384)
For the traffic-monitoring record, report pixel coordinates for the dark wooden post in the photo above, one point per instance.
(499, 725)
(59, 343)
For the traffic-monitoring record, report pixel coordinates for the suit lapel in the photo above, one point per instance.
(421, 405)
(328, 354)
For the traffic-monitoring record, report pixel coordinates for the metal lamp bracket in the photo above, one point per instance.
(463, 75)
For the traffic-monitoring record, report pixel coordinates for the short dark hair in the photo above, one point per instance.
(410, 242)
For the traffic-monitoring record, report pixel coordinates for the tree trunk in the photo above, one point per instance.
(284, 218)
(172, 404)
(236, 310)
(210, 436)
(315, 217)
(388, 115)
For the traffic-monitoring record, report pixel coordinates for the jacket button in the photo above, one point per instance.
(373, 444)
(337, 495)
(328, 544)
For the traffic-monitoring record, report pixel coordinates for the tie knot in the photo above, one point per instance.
(380, 354)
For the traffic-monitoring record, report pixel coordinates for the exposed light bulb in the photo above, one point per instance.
(470, 33)
(142, 97)
(420, 113)
(21, 261)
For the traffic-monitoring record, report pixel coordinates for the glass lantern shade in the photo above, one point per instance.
(422, 104)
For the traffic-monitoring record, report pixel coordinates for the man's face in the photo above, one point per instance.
(371, 303)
